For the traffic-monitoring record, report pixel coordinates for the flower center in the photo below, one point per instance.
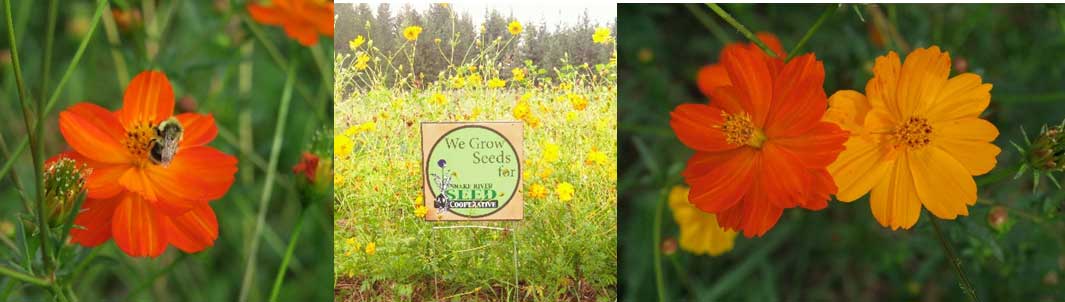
(739, 130)
(139, 139)
(914, 132)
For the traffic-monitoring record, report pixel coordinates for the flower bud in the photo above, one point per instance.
(669, 246)
(1047, 151)
(998, 219)
(64, 181)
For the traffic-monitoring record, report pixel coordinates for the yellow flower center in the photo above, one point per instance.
(914, 132)
(139, 140)
(740, 130)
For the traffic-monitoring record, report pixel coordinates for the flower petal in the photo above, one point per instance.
(194, 231)
(749, 71)
(92, 226)
(848, 108)
(963, 96)
(138, 228)
(969, 141)
(818, 147)
(104, 180)
(784, 176)
(859, 168)
(881, 90)
(754, 216)
(200, 129)
(711, 77)
(719, 180)
(944, 184)
(699, 127)
(798, 97)
(894, 200)
(149, 97)
(772, 42)
(923, 74)
(301, 32)
(197, 173)
(269, 15)
(820, 187)
(94, 132)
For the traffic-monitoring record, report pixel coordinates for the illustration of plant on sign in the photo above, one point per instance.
(443, 180)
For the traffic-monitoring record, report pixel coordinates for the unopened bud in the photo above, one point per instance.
(669, 246)
(998, 218)
(64, 181)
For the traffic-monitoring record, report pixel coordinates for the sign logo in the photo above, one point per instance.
(472, 171)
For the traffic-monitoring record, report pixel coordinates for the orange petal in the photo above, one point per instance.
(719, 180)
(858, 169)
(881, 89)
(749, 72)
(818, 147)
(963, 96)
(923, 74)
(301, 32)
(755, 215)
(943, 184)
(894, 200)
(819, 189)
(149, 97)
(194, 231)
(197, 173)
(323, 19)
(848, 108)
(94, 132)
(138, 228)
(711, 77)
(784, 176)
(136, 180)
(104, 180)
(200, 129)
(92, 226)
(698, 127)
(266, 15)
(799, 100)
(772, 42)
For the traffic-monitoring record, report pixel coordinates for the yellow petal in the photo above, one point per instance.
(963, 96)
(894, 200)
(847, 108)
(943, 184)
(881, 88)
(968, 141)
(923, 74)
(858, 169)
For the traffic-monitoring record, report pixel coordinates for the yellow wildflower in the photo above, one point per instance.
(420, 211)
(338, 179)
(411, 33)
(550, 152)
(699, 231)
(564, 191)
(537, 191)
(438, 99)
(342, 146)
(355, 43)
(474, 80)
(371, 248)
(362, 61)
(496, 83)
(579, 102)
(514, 27)
(519, 74)
(570, 116)
(596, 157)
(458, 82)
(602, 35)
(521, 110)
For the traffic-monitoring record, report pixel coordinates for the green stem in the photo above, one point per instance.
(271, 49)
(268, 187)
(704, 18)
(46, 64)
(966, 285)
(742, 29)
(810, 33)
(288, 256)
(655, 241)
(24, 277)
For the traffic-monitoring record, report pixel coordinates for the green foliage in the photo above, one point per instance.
(842, 253)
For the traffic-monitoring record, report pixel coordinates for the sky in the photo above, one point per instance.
(549, 12)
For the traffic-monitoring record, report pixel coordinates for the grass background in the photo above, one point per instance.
(842, 253)
(214, 64)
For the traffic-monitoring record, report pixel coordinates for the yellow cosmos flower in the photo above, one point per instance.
(545, 172)
(420, 211)
(350, 241)
(519, 74)
(699, 232)
(371, 248)
(916, 139)
(355, 43)
(514, 27)
(362, 61)
(338, 179)
(342, 146)
(596, 157)
(602, 35)
(564, 191)
(571, 116)
(496, 83)
(537, 191)
(438, 99)
(532, 121)
(474, 80)
(458, 82)
(521, 110)
(411, 33)
(579, 102)
(550, 152)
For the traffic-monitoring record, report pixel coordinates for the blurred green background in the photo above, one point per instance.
(216, 65)
(842, 253)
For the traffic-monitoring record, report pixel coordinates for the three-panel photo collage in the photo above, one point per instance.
(305, 150)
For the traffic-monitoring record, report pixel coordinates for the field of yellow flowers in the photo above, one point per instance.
(566, 246)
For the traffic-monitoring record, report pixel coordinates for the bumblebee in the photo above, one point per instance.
(165, 143)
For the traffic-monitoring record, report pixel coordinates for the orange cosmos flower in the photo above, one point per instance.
(303, 20)
(140, 198)
(760, 144)
(917, 138)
